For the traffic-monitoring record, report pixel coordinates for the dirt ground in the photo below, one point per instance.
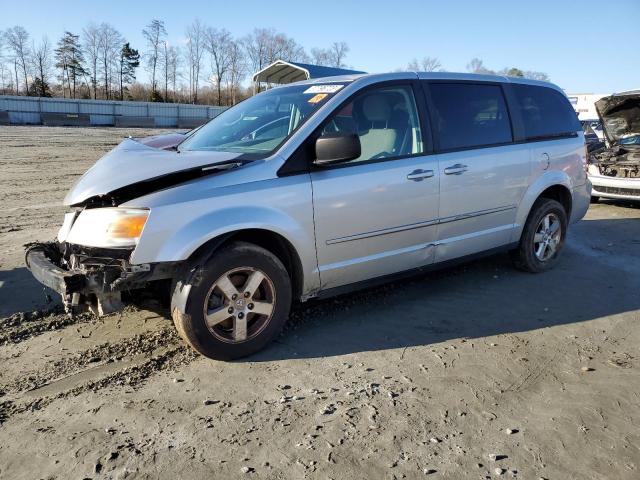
(479, 371)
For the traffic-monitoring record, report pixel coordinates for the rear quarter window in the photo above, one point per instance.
(545, 112)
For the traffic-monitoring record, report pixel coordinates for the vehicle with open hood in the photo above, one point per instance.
(318, 188)
(614, 169)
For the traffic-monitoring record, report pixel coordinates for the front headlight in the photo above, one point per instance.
(108, 227)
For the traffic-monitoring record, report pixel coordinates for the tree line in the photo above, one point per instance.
(476, 65)
(210, 67)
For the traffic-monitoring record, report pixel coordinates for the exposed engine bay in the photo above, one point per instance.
(617, 161)
(620, 156)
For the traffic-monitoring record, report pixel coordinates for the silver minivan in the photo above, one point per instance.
(318, 188)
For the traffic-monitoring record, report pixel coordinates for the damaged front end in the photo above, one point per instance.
(617, 161)
(90, 263)
(91, 279)
(614, 168)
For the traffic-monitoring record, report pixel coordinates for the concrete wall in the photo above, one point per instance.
(62, 111)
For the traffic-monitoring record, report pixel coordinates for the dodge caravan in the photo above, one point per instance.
(317, 188)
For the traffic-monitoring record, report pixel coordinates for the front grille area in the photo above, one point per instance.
(635, 192)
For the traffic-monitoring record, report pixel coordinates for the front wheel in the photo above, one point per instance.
(238, 301)
(542, 238)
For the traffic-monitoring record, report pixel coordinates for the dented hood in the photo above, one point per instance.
(132, 162)
(620, 115)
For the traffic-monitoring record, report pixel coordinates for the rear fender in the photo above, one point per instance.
(548, 179)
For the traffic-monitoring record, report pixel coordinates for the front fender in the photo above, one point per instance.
(548, 179)
(183, 242)
(174, 232)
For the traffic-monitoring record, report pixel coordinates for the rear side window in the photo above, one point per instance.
(470, 115)
(545, 112)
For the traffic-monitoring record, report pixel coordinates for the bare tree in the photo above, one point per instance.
(265, 45)
(2, 65)
(110, 43)
(155, 34)
(427, 64)
(339, 51)
(172, 67)
(218, 44)
(17, 39)
(533, 75)
(41, 59)
(333, 56)
(256, 45)
(195, 49)
(164, 63)
(321, 56)
(286, 48)
(477, 66)
(91, 46)
(237, 69)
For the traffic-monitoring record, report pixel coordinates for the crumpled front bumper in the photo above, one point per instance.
(95, 282)
(53, 276)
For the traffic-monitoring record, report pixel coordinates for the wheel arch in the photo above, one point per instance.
(555, 185)
(267, 239)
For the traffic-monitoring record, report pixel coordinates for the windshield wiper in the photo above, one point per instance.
(227, 165)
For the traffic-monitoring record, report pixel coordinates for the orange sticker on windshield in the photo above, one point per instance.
(317, 98)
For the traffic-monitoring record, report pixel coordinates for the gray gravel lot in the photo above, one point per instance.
(479, 371)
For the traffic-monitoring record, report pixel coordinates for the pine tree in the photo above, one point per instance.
(70, 60)
(129, 61)
(39, 88)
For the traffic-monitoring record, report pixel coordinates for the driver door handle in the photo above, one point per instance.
(457, 169)
(419, 175)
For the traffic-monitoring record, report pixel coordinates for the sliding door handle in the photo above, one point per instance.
(457, 169)
(419, 175)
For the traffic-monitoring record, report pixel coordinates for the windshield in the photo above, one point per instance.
(261, 123)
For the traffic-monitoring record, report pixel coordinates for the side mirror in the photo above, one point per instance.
(336, 148)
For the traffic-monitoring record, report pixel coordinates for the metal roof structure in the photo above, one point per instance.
(281, 72)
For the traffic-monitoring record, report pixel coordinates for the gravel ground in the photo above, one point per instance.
(479, 371)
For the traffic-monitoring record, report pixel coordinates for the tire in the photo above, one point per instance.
(595, 199)
(528, 256)
(229, 284)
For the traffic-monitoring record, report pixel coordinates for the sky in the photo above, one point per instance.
(584, 46)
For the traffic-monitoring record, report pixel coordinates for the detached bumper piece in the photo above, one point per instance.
(90, 280)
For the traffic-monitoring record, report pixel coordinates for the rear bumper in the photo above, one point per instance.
(581, 198)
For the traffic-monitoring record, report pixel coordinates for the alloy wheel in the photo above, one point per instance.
(547, 237)
(239, 304)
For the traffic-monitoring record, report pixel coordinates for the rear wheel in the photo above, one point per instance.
(542, 238)
(238, 301)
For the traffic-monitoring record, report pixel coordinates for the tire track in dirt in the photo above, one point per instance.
(23, 326)
(130, 376)
(143, 344)
(70, 378)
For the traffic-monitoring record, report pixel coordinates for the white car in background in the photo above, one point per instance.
(614, 170)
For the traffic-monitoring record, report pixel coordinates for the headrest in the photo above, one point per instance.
(376, 108)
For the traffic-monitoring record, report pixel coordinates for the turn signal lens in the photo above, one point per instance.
(127, 226)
